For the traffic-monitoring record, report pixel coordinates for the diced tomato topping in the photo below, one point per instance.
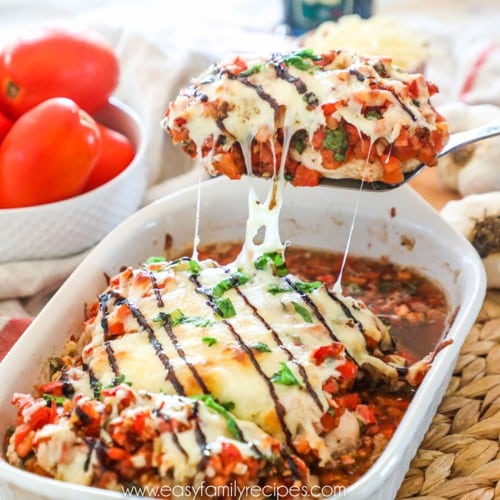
(413, 88)
(230, 454)
(55, 388)
(116, 328)
(20, 434)
(392, 170)
(329, 422)
(366, 414)
(306, 177)
(115, 453)
(330, 108)
(349, 401)
(23, 440)
(327, 351)
(318, 138)
(180, 121)
(139, 422)
(347, 370)
(331, 386)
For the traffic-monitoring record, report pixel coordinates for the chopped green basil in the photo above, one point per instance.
(223, 409)
(194, 267)
(299, 141)
(303, 287)
(275, 289)
(153, 260)
(224, 308)
(409, 287)
(116, 381)
(276, 259)
(300, 309)
(177, 317)
(210, 341)
(288, 177)
(256, 68)
(416, 103)
(261, 347)
(354, 287)
(336, 141)
(235, 280)
(302, 59)
(311, 98)
(385, 286)
(285, 376)
(373, 114)
(58, 400)
(228, 405)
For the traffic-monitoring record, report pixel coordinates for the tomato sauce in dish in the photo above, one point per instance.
(411, 305)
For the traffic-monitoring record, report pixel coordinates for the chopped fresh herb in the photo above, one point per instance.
(336, 141)
(256, 68)
(300, 309)
(154, 260)
(228, 405)
(55, 365)
(373, 114)
(285, 376)
(235, 280)
(311, 99)
(302, 60)
(194, 267)
(223, 409)
(224, 308)
(276, 259)
(58, 400)
(288, 177)
(299, 141)
(210, 341)
(385, 286)
(303, 287)
(275, 289)
(117, 381)
(177, 317)
(261, 347)
(354, 287)
(416, 103)
(409, 288)
(381, 69)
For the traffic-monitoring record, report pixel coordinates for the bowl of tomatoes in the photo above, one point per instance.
(71, 154)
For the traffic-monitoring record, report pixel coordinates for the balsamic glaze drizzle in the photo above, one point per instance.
(154, 284)
(93, 381)
(200, 436)
(277, 340)
(153, 340)
(279, 408)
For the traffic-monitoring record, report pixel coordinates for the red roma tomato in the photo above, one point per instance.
(48, 154)
(56, 63)
(116, 153)
(5, 126)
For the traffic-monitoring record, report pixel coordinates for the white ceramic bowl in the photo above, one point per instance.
(318, 217)
(70, 226)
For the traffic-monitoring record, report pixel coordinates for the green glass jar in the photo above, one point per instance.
(304, 15)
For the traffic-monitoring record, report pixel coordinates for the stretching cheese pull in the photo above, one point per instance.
(336, 115)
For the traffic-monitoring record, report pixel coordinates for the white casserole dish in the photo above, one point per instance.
(387, 224)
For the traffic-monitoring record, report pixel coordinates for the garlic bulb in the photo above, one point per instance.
(477, 217)
(473, 168)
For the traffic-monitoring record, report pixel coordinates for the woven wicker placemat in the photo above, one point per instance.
(459, 457)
